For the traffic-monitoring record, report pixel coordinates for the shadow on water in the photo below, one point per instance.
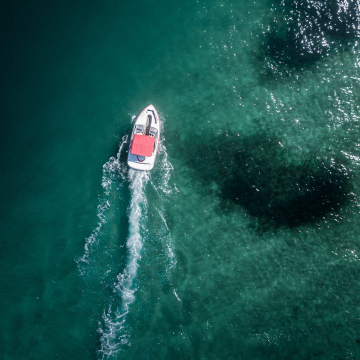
(272, 184)
(300, 32)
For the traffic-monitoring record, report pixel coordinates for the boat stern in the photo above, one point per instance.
(140, 166)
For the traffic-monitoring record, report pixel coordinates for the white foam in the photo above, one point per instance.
(113, 330)
(160, 182)
(113, 334)
(112, 169)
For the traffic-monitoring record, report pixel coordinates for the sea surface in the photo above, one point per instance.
(243, 242)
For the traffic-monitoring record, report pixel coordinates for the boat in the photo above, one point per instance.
(144, 142)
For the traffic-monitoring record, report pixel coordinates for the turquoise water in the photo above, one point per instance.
(242, 242)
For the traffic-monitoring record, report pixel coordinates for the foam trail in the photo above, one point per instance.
(113, 330)
(112, 170)
(113, 334)
(160, 183)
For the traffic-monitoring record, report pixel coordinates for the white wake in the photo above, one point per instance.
(113, 331)
(113, 175)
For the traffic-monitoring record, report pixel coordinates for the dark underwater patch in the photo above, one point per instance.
(301, 31)
(270, 183)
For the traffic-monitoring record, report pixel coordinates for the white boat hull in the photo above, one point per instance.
(147, 123)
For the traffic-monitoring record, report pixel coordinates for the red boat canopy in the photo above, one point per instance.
(142, 145)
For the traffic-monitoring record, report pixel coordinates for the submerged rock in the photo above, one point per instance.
(263, 178)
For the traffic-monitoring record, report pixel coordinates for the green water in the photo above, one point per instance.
(242, 242)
